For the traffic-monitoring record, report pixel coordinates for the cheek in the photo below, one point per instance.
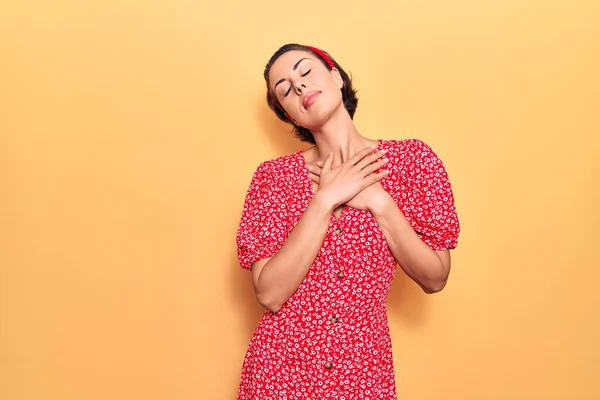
(292, 106)
(332, 83)
(331, 97)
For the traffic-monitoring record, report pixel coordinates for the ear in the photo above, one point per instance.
(337, 77)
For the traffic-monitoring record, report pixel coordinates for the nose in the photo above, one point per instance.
(299, 87)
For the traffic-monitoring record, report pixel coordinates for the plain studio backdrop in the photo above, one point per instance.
(129, 134)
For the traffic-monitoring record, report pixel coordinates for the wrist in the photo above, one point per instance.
(324, 202)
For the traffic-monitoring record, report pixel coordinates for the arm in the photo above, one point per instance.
(429, 268)
(275, 279)
(420, 241)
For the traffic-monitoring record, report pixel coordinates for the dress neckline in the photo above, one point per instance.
(305, 164)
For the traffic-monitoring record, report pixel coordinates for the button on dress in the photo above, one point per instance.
(331, 339)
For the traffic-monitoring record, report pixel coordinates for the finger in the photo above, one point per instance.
(361, 154)
(327, 163)
(314, 178)
(369, 169)
(373, 178)
(371, 158)
(315, 169)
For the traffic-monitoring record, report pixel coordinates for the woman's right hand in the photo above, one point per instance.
(338, 186)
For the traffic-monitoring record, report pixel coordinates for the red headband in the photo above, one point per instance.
(323, 56)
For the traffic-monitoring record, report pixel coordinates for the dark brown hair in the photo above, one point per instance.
(348, 92)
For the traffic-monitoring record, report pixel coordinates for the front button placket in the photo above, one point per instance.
(338, 250)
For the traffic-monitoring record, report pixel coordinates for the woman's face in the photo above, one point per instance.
(306, 89)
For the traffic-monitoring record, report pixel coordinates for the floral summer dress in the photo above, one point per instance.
(331, 339)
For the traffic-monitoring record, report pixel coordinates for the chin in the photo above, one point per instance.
(320, 114)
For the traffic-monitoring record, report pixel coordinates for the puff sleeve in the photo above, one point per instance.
(430, 207)
(264, 224)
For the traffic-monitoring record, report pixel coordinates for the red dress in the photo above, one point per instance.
(331, 339)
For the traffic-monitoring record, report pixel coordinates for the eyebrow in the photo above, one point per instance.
(293, 69)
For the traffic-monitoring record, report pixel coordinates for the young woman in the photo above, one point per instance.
(322, 231)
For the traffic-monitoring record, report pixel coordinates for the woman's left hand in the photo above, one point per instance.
(369, 198)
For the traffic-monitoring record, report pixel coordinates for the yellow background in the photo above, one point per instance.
(129, 133)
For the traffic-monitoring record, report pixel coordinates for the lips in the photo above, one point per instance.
(310, 98)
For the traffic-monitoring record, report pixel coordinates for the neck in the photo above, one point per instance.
(339, 136)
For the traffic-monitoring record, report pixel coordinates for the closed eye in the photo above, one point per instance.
(290, 88)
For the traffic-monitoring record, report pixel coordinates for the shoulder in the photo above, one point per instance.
(406, 154)
(406, 148)
(411, 153)
(414, 162)
(279, 171)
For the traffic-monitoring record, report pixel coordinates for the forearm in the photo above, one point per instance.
(416, 258)
(285, 271)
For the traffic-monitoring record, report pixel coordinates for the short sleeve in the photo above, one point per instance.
(264, 224)
(430, 208)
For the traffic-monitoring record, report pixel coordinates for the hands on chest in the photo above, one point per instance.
(355, 182)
